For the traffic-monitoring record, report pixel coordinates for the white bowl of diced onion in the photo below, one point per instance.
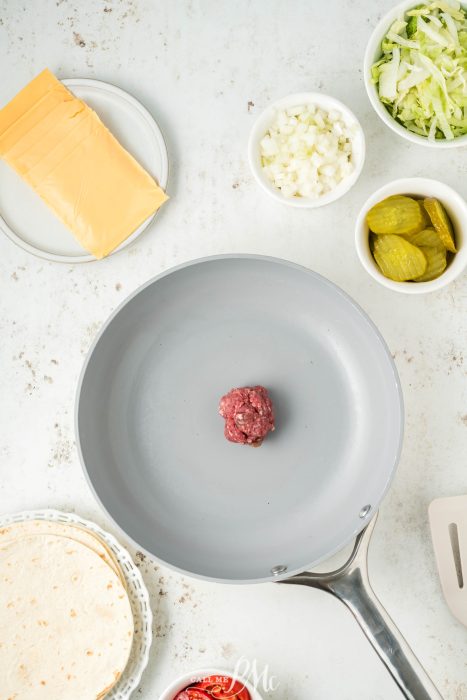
(306, 150)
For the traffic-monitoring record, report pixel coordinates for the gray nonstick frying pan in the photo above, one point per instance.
(152, 445)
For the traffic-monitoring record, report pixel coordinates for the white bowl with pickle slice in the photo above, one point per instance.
(410, 235)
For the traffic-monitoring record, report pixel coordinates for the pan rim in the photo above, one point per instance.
(263, 258)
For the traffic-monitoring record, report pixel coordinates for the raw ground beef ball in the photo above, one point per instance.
(248, 414)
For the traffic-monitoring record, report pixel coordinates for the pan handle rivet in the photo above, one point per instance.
(364, 511)
(279, 569)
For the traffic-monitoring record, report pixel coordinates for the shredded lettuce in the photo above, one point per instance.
(421, 76)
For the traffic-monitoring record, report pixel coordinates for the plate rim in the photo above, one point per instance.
(54, 515)
(360, 311)
(102, 86)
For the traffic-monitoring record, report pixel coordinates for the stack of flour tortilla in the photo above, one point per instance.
(66, 627)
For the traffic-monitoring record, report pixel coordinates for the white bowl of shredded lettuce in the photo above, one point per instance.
(415, 72)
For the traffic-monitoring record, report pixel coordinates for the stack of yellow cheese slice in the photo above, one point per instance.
(62, 149)
(66, 626)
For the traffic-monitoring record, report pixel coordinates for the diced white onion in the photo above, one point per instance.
(307, 151)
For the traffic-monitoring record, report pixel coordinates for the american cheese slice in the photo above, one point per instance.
(61, 148)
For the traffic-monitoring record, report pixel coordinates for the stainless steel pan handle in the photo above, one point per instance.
(351, 585)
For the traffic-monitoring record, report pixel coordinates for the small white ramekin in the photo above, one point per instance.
(455, 206)
(373, 53)
(267, 117)
(180, 683)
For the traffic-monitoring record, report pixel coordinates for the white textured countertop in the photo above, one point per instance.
(205, 69)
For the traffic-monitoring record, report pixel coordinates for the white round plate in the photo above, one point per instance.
(28, 221)
(137, 593)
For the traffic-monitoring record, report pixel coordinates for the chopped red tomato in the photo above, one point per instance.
(192, 694)
(215, 688)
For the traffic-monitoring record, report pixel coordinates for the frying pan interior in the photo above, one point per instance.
(152, 442)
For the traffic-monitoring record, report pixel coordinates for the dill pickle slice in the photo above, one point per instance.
(427, 238)
(398, 259)
(436, 263)
(397, 215)
(441, 222)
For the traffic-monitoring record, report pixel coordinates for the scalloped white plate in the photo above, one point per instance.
(137, 593)
(28, 221)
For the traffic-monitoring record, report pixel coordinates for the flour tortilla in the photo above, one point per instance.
(66, 627)
(72, 531)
